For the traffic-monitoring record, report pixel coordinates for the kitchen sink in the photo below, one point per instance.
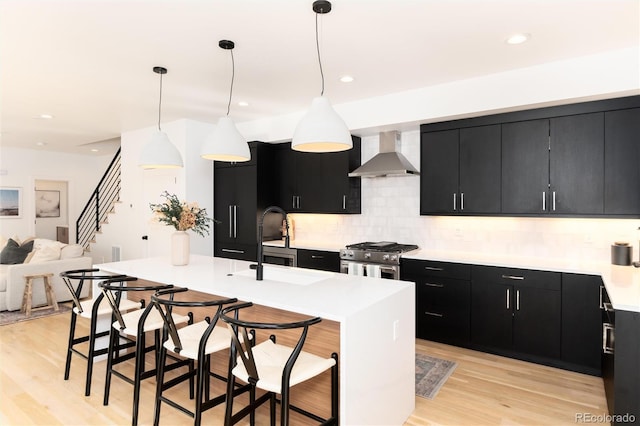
(288, 275)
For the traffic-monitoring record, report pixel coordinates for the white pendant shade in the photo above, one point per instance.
(160, 153)
(226, 143)
(321, 130)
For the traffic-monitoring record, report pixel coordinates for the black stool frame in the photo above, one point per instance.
(80, 275)
(164, 301)
(240, 348)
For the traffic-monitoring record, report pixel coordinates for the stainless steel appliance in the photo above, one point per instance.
(374, 258)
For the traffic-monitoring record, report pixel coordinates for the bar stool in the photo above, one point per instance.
(135, 325)
(90, 310)
(27, 297)
(274, 368)
(195, 342)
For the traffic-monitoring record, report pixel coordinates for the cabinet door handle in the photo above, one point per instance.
(508, 299)
(235, 221)
(517, 300)
(433, 268)
(608, 343)
(513, 277)
(232, 251)
(554, 201)
(454, 201)
(601, 297)
(544, 201)
(317, 257)
(434, 314)
(436, 285)
(230, 221)
(297, 201)
(293, 201)
(461, 201)
(344, 202)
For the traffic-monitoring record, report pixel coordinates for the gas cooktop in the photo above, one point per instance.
(383, 246)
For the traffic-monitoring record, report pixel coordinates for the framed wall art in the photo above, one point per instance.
(10, 202)
(47, 203)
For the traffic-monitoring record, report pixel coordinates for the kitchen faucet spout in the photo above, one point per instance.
(260, 268)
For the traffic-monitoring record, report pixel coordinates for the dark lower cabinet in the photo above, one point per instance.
(443, 293)
(516, 311)
(319, 259)
(582, 323)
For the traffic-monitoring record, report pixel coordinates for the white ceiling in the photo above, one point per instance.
(89, 62)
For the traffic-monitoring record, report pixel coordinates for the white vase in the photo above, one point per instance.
(180, 248)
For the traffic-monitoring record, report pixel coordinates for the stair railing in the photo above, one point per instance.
(100, 204)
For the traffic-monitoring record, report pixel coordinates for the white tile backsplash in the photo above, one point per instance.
(391, 211)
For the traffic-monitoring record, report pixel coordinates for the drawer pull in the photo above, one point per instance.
(436, 285)
(232, 251)
(317, 257)
(434, 314)
(607, 338)
(513, 277)
(433, 268)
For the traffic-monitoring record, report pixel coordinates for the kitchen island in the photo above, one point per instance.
(376, 320)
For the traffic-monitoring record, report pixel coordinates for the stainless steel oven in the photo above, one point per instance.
(280, 256)
(374, 259)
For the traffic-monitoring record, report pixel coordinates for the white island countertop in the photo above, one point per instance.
(377, 387)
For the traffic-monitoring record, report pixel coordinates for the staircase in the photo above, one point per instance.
(101, 203)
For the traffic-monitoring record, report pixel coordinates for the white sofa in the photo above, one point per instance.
(12, 277)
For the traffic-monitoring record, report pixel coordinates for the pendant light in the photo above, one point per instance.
(226, 143)
(321, 129)
(160, 153)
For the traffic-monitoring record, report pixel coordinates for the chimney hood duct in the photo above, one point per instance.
(388, 162)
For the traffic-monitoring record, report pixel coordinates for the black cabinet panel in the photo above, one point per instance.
(480, 170)
(525, 167)
(439, 156)
(517, 310)
(582, 321)
(319, 259)
(622, 162)
(317, 182)
(577, 164)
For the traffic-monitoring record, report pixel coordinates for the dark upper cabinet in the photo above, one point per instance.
(570, 160)
(241, 193)
(577, 164)
(622, 162)
(317, 183)
(460, 171)
(525, 167)
(439, 161)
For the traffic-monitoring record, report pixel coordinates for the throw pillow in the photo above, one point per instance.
(14, 253)
(71, 251)
(45, 250)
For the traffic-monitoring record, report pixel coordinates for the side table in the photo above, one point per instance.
(28, 293)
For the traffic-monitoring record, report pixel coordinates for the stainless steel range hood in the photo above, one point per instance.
(388, 162)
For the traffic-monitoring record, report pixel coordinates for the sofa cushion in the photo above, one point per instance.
(70, 251)
(44, 250)
(14, 253)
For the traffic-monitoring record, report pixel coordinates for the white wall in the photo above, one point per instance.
(23, 167)
(133, 218)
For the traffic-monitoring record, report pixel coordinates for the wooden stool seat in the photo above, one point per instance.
(28, 293)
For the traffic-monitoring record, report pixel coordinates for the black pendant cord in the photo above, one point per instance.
(233, 74)
(319, 61)
(160, 104)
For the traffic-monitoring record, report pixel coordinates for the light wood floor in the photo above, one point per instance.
(483, 390)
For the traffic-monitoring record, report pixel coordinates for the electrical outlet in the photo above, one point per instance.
(588, 239)
(396, 324)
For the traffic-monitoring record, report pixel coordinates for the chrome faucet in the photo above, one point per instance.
(259, 269)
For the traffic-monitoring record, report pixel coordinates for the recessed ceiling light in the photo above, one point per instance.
(518, 38)
(44, 116)
(95, 150)
(41, 143)
(346, 79)
(243, 103)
